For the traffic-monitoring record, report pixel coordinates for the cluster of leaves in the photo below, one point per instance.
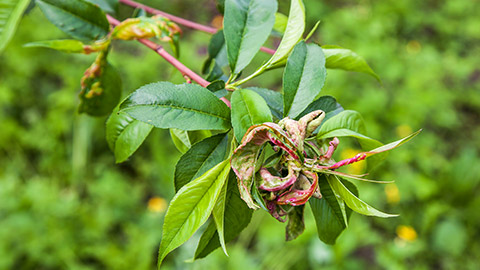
(280, 166)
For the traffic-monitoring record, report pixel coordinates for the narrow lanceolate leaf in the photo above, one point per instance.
(125, 135)
(218, 214)
(237, 216)
(248, 109)
(191, 207)
(184, 106)
(391, 145)
(353, 201)
(340, 58)
(64, 45)
(247, 25)
(77, 18)
(303, 78)
(293, 33)
(329, 212)
(328, 104)
(200, 158)
(11, 12)
(274, 100)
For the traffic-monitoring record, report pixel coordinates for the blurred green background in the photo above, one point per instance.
(65, 204)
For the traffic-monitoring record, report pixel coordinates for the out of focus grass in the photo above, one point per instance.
(64, 204)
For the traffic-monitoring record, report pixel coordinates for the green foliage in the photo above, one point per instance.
(340, 58)
(11, 12)
(247, 25)
(64, 45)
(77, 18)
(303, 78)
(185, 106)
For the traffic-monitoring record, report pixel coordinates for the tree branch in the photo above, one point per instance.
(184, 22)
(172, 60)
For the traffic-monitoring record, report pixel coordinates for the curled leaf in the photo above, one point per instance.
(303, 189)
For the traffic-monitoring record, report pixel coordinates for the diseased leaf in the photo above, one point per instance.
(184, 106)
(191, 207)
(247, 25)
(100, 91)
(296, 224)
(353, 201)
(125, 134)
(293, 34)
(237, 216)
(77, 18)
(340, 58)
(273, 99)
(303, 78)
(248, 109)
(11, 12)
(200, 158)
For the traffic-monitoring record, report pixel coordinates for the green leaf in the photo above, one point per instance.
(293, 34)
(11, 12)
(183, 139)
(64, 45)
(329, 212)
(191, 207)
(101, 94)
(353, 201)
(340, 58)
(184, 106)
(77, 18)
(125, 134)
(237, 216)
(109, 6)
(274, 100)
(280, 24)
(303, 78)
(217, 58)
(247, 25)
(296, 224)
(218, 214)
(328, 104)
(248, 109)
(200, 158)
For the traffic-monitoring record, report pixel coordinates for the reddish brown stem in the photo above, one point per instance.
(181, 21)
(172, 60)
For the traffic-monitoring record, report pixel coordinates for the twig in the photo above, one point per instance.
(172, 60)
(181, 21)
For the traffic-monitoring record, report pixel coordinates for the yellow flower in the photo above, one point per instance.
(407, 233)
(393, 195)
(157, 205)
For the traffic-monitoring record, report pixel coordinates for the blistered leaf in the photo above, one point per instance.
(340, 58)
(125, 134)
(184, 106)
(296, 224)
(79, 19)
(101, 89)
(245, 156)
(247, 25)
(191, 207)
(248, 109)
(303, 78)
(353, 201)
(11, 12)
(200, 158)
